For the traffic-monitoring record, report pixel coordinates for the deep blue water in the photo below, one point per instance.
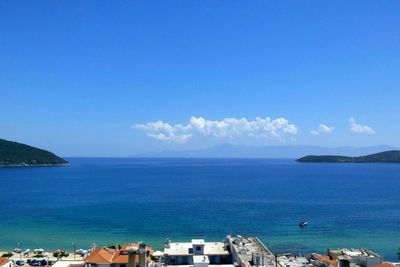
(119, 200)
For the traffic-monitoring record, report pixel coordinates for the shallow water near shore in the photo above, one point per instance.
(116, 200)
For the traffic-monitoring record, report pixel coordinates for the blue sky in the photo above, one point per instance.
(90, 78)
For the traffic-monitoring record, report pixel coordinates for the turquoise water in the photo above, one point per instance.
(103, 201)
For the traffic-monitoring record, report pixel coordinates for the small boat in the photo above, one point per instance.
(304, 223)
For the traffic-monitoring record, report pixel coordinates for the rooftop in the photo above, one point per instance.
(68, 263)
(293, 261)
(248, 247)
(185, 248)
(197, 241)
(326, 259)
(354, 252)
(3, 260)
(109, 256)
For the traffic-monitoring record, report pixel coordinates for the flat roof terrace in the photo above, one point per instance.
(252, 252)
(185, 248)
(354, 252)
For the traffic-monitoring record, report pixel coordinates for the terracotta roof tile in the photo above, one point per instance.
(109, 256)
(3, 260)
(325, 259)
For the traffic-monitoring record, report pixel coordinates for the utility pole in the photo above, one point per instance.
(20, 250)
(74, 249)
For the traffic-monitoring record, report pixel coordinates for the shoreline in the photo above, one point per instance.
(49, 255)
(231, 248)
(35, 165)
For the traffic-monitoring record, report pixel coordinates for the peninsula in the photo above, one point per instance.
(392, 156)
(17, 154)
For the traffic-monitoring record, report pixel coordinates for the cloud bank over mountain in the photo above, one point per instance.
(279, 129)
(230, 128)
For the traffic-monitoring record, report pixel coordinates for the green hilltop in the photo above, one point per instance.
(392, 156)
(17, 154)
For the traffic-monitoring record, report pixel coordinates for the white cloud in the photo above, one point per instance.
(226, 128)
(165, 132)
(360, 129)
(323, 129)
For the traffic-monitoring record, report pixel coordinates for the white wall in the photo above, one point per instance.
(8, 264)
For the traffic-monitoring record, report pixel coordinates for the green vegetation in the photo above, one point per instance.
(392, 156)
(60, 254)
(17, 154)
(113, 246)
(7, 255)
(39, 255)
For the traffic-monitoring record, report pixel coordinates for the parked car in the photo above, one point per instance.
(43, 263)
(81, 252)
(20, 262)
(34, 262)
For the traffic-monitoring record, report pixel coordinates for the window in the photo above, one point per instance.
(198, 248)
(122, 265)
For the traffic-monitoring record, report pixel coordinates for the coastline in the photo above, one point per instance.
(234, 248)
(35, 165)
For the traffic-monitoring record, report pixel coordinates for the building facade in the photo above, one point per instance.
(197, 253)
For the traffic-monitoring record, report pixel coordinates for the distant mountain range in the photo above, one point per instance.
(17, 154)
(288, 151)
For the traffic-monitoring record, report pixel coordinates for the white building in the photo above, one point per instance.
(360, 257)
(197, 253)
(69, 263)
(249, 252)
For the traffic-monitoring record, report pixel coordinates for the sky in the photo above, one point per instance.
(119, 78)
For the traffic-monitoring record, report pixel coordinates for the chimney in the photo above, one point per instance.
(142, 254)
(141, 251)
(131, 261)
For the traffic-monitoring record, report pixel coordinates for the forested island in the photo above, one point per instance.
(17, 154)
(392, 156)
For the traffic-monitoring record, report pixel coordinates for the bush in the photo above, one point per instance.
(38, 256)
(7, 255)
(113, 246)
(60, 254)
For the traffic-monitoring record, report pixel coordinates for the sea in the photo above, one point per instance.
(106, 201)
